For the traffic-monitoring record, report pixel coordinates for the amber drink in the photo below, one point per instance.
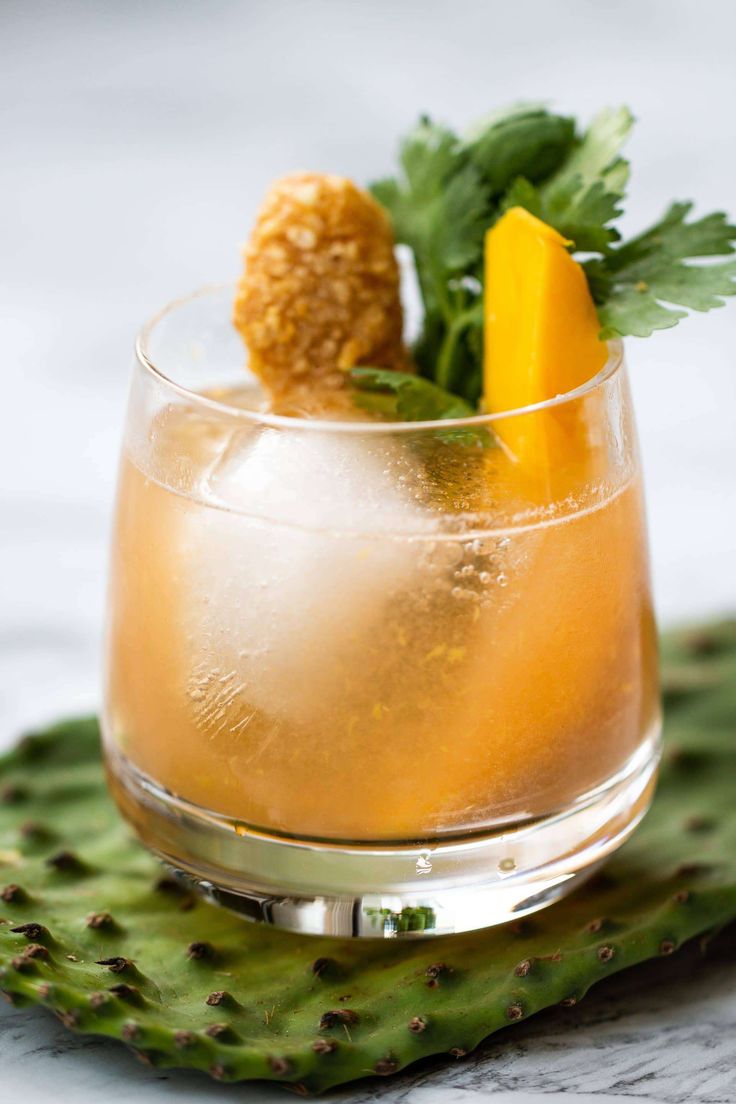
(369, 677)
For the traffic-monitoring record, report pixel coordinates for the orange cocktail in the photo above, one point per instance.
(412, 665)
(352, 659)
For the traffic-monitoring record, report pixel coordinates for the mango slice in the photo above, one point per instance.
(541, 340)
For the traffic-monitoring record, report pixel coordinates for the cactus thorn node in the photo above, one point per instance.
(221, 1031)
(69, 1017)
(336, 1017)
(434, 972)
(321, 966)
(116, 965)
(125, 992)
(199, 949)
(13, 894)
(31, 930)
(324, 1046)
(699, 824)
(35, 950)
(97, 920)
(11, 794)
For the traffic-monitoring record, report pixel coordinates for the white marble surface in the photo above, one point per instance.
(135, 139)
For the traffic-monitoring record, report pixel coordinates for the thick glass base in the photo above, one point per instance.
(388, 890)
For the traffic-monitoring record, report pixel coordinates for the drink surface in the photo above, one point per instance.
(311, 635)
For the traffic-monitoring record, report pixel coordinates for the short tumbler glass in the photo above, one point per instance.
(372, 678)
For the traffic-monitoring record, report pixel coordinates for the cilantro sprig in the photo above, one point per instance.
(450, 189)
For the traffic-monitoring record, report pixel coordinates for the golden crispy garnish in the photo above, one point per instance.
(320, 292)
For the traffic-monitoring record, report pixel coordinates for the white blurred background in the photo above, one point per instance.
(136, 139)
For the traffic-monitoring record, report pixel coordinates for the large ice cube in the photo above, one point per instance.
(309, 540)
(338, 480)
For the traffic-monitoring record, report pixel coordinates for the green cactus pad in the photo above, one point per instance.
(89, 929)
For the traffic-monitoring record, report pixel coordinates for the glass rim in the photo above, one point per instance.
(612, 365)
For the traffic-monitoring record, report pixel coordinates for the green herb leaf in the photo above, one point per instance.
(596, 156)
(524, 141)
(633, 283)
(582, 214)
(522, 193)
(412, 398)
(584, 195)
(415, 399)
(438, 208)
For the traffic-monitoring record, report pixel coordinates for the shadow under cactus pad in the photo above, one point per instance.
(89, 929)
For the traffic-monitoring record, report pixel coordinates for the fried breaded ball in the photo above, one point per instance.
(320, 292)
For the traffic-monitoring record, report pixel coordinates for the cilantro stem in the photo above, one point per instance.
(443, 301)
(455, 330)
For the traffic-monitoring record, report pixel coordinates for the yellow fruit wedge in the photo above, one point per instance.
(541, 340)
